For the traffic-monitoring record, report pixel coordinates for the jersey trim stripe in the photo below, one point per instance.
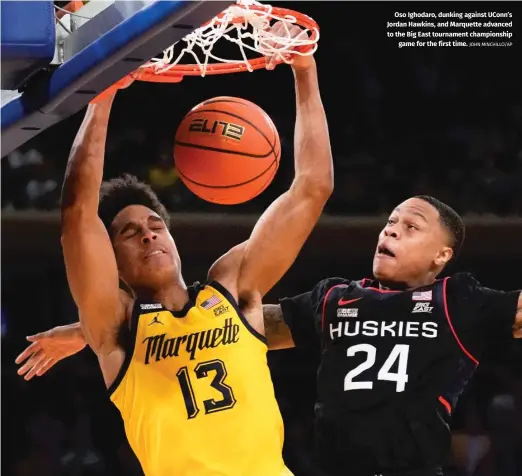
(128, 348)
(326, 300)
(224, 291)
(446, 404)
(448, 318)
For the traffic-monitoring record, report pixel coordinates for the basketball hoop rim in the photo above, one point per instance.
(176, 73)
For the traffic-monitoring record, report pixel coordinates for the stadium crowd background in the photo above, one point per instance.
(439, 121)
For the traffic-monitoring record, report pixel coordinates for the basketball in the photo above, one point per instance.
(227, 150)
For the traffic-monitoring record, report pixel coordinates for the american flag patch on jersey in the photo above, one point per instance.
(421, 296)
(211, 302)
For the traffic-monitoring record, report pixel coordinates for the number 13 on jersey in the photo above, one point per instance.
(398, 355)
(216, 373)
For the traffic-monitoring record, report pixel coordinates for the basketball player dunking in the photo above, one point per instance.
(186, 366)
(396, 352)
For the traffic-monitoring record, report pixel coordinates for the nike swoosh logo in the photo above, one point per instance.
(342, 302)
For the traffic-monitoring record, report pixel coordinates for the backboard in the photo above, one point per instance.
(101, 43)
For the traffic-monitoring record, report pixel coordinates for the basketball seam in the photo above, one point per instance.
(226, 151)
(234, 185)
(268, 180)
(216, 101)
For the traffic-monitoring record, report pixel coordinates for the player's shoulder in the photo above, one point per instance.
(333, 288)
(462, 279)
(329, 284)
(462, 285)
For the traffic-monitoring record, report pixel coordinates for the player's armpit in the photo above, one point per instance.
(226, 269)
(517, 328)
(277, 333)
(92, 275)
(284, 227)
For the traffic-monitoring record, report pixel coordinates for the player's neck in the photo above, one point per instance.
(173, 296)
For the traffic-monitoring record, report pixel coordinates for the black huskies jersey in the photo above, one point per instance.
(393, 364)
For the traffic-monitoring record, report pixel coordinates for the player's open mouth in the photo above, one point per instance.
(154, 253)
(383, 251)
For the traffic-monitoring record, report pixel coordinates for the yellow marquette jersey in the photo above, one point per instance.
(195, 391)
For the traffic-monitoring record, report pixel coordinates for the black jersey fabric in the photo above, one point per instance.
(393, 365)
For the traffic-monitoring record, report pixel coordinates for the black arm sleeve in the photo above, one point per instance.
(480, 315)
(302, 313)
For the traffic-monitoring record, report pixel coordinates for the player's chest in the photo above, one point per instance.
(352, 313)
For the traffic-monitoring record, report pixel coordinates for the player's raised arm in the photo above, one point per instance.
(89, 257)
(284, 227)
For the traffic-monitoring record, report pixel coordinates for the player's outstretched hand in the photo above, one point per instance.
(49, 347)
(286, 30)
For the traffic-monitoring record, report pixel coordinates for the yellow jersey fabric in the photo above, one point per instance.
(195, 391)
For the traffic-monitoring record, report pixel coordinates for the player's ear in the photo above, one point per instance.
(443, 256)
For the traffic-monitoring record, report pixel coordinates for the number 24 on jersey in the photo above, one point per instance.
(398, 356)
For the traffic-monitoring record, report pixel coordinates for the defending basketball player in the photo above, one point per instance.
(186, 365)
(397, 351)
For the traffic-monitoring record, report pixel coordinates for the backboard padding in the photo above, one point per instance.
(130, 43)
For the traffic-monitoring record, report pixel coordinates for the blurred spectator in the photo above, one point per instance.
(164, 179)
(42, 190)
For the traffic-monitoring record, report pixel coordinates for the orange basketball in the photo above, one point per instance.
(227, 150)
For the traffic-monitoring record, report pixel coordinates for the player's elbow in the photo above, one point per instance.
(77, 218)
(280, 343)
(74, 211)
(95, 341)
(78, 202)
(99, 342)
(319, 188)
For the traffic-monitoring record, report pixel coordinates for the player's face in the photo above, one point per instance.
(412, 245)
(145, 250)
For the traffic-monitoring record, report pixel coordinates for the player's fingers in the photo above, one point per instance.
(299, 33)
(283, 30)
(29, 375)
(27, 352)
(35, 358)
(37, 367)
(271, 62)
(274, 32)
(45, 367)
(36, 337)
(32, 371)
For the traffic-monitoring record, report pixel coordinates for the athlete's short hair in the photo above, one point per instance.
(450, 220)
(119, 193)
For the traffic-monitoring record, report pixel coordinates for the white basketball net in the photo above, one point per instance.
(251, 34)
